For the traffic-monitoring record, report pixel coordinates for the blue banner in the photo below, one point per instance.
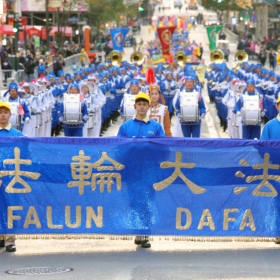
(118, 36)
(139, 186)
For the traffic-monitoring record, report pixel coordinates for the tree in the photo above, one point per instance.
(102, 11)
(222, 5)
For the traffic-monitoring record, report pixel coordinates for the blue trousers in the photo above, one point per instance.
(73, 132)
(169, 102)
(191, 130)
(251, 131)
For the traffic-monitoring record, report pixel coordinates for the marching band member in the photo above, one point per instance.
(168, 92)
(238, 88)
(133, 91)
(90, 100)
(230, 101)
(22, 108)
(74, 130)
(33, 106)
(157, 111)
(190, 128)
(249, 131)
(271, 130)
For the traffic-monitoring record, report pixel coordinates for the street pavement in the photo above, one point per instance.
(166, 259)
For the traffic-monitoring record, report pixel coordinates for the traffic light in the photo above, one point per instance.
(15, 26)
(136, 7)
(20, 25)
(140, 8)
(241, 18)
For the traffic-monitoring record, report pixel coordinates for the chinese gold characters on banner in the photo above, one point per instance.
(178, 173)
(265, 177)
(17, 173)
(82, 171)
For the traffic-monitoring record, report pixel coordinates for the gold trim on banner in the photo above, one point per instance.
(151, 238)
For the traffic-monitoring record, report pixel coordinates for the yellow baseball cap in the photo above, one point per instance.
(142, 95)
(5, 105)
(278, 100)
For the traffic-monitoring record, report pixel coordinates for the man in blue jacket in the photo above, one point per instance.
(272, 128)
(141, 125)
(6, 130)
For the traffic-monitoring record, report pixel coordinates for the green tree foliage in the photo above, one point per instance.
(220, 5)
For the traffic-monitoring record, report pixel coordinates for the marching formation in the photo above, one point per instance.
(245, 96)
(86, 103)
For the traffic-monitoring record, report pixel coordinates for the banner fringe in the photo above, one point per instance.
(151, 238)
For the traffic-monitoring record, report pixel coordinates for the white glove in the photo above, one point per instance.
(61, 119)
(262, 114)
(202, 116)
(27, 120)
(178, 115)
(92, 110)
(85, 118)
(238, 113)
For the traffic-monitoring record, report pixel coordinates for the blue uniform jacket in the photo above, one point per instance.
(271, 130)
(136, 128)
(12, 132)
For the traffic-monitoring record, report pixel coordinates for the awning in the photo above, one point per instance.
(7, 29)
(32, 31)
(68, 31)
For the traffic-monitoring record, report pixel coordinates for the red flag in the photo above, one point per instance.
(82, 97)
(171, 59)
(150, 76)
(20, 110)
(261, 103)
(165, 36)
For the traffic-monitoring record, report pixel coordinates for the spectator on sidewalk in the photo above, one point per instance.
(29, 67)
(57, 66)
(262, 57)
(240, 46)
(271, 56)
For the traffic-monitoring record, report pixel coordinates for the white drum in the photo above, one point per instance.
(128, 106)
(189, 106)
(72, 108)
(251, 114)
(15, 119)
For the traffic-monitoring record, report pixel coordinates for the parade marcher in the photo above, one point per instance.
(75, 129)
(157, 111)
(6, 130)
(141, 125)
(191, 128)
(133, 91)
(32, 104)
(271, 130)
(168, 92)
(249, 131)
(15, 97)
